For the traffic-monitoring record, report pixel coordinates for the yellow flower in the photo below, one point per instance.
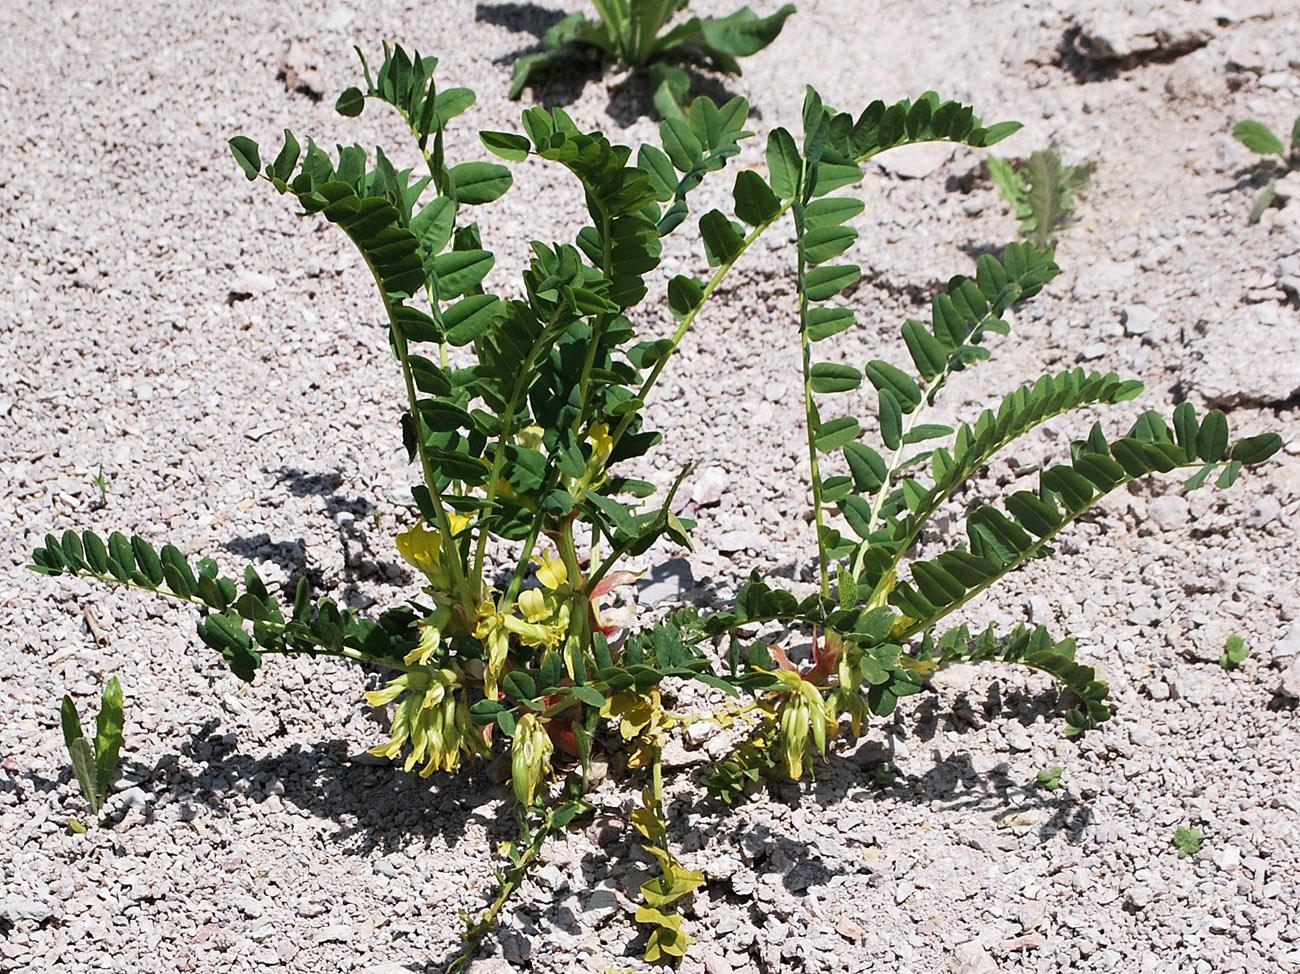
(421, 547)
(533, 605)
(429, 718)
(495, 637)
(530, 437)
(416, 680)
(804, 715)
(602, 444)
(430, 636)
(551, 572)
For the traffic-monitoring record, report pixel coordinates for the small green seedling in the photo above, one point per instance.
(94, 765)
(101, 484)
(885, 775)
(1042, 192)
(1259, 138)
(1187, 842)
(1049, 779)
(1235, 652)
(628, 32)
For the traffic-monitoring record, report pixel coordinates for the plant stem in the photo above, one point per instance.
(811, 421)
(510, 879)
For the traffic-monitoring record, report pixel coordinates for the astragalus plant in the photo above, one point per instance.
(523, 415)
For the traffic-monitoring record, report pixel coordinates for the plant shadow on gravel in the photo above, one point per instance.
(348, 513)
(374, 809)
(531, 18)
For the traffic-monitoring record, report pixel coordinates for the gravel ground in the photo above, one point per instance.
(223, 364)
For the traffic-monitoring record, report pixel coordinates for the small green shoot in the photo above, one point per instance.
(1235, 652)
(101, 483)
(885, 775)
(1187, 841)
(1042, 192)
(1049, 779)
(1259, 139)
(94, 765)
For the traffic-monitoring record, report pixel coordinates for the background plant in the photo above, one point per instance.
(1259, 138)
(1043, 192)
(94, 765)
(1235, 652)
(632, 33)
(519, 410)
(1187, 841)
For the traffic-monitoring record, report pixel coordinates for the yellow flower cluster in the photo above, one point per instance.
(804, 714)
(429, 718)
(539, 618)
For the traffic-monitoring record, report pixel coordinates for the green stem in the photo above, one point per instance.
(810, 409)
(474, 933)
(660, 522)
(598, 326)
(468, 595)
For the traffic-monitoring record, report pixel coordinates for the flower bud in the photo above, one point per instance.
(530, 757)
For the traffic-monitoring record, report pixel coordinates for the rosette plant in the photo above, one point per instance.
(631, 33)
(524, 414)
